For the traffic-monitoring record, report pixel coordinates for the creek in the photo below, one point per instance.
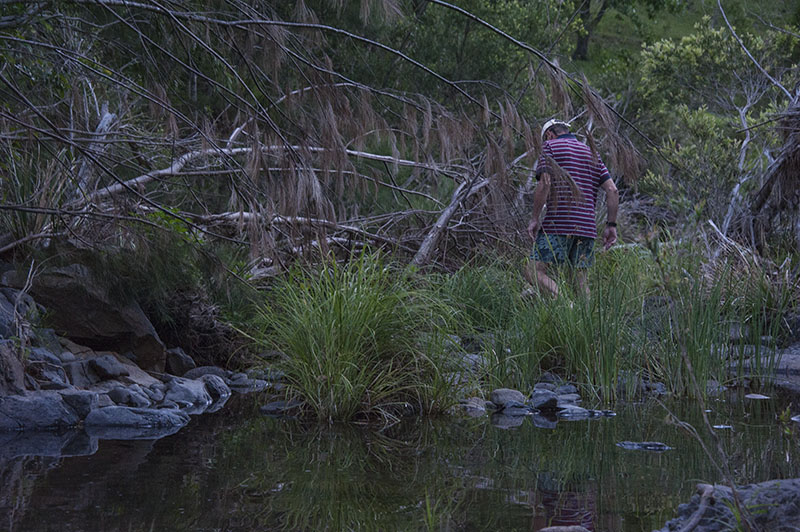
(238, 470)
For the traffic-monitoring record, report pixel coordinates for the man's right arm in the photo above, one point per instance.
(540, 195)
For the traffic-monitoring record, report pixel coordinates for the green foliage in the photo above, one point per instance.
(707, 67)
(487, 296)
(460, 48)
(705, 151)
(360, 340)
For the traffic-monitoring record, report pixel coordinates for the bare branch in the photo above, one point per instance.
(753, 59)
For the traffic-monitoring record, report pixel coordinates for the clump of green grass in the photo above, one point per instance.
(361, 341)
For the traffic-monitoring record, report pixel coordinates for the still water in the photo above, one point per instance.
(236, 470)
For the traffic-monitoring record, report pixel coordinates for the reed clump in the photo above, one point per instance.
(362, 341)
(366, 339)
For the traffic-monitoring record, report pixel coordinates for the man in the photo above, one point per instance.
(570, 175)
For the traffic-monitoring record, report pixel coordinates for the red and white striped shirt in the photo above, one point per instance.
(570, 216)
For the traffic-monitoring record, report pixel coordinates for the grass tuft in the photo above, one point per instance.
(361, 341)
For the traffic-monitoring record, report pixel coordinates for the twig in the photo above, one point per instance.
(28, 238)
(705, 495)
(746, 51)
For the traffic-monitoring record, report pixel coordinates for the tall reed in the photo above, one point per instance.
(361, 341)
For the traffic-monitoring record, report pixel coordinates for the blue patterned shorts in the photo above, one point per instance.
(578, 251)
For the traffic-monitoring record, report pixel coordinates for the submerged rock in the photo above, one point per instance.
(502, 421)
(281, 408)
(574, 413)
(132, 417)
(775, 506)
(73, 442)
(544, 421)
(473, 407)
(756, 396)
(644, 446)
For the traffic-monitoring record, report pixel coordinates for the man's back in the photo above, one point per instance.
(569, 215)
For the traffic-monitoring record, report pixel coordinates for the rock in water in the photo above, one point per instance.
(36, 411)
(774, 506)
(644, 446)
(544, 400)
(756, 396)
(505, 396)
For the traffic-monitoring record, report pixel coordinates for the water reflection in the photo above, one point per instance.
(236, 470)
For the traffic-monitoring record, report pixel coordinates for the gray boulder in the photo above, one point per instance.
(566, 388)
(8, 323)
(46, 368)
(544, 400)
(83, 310)
(568, 399)
(574, 413)
(12, 372)
(506, 396)
(17, 312)
(36, 411)
(473, 407)
(130, 396)
(196, 373)
(130, 423)
(187, 393)
(81, 401)
(216, 386)
(40, 354)
(178, 362)
(107, 367)
(155, 392)
(80, 373)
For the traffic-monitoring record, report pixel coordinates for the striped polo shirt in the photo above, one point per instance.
(569, 216)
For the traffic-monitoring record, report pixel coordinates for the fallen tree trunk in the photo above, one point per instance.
(431, 241)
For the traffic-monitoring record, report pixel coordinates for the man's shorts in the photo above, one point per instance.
(578, 251)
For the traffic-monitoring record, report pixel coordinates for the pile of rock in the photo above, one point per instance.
(546, 404)
(133, 388)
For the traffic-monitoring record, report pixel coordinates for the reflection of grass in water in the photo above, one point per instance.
(467, 474)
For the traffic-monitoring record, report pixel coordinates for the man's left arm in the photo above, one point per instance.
(612, 206)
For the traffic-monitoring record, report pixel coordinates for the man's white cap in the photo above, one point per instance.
(553, 122)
